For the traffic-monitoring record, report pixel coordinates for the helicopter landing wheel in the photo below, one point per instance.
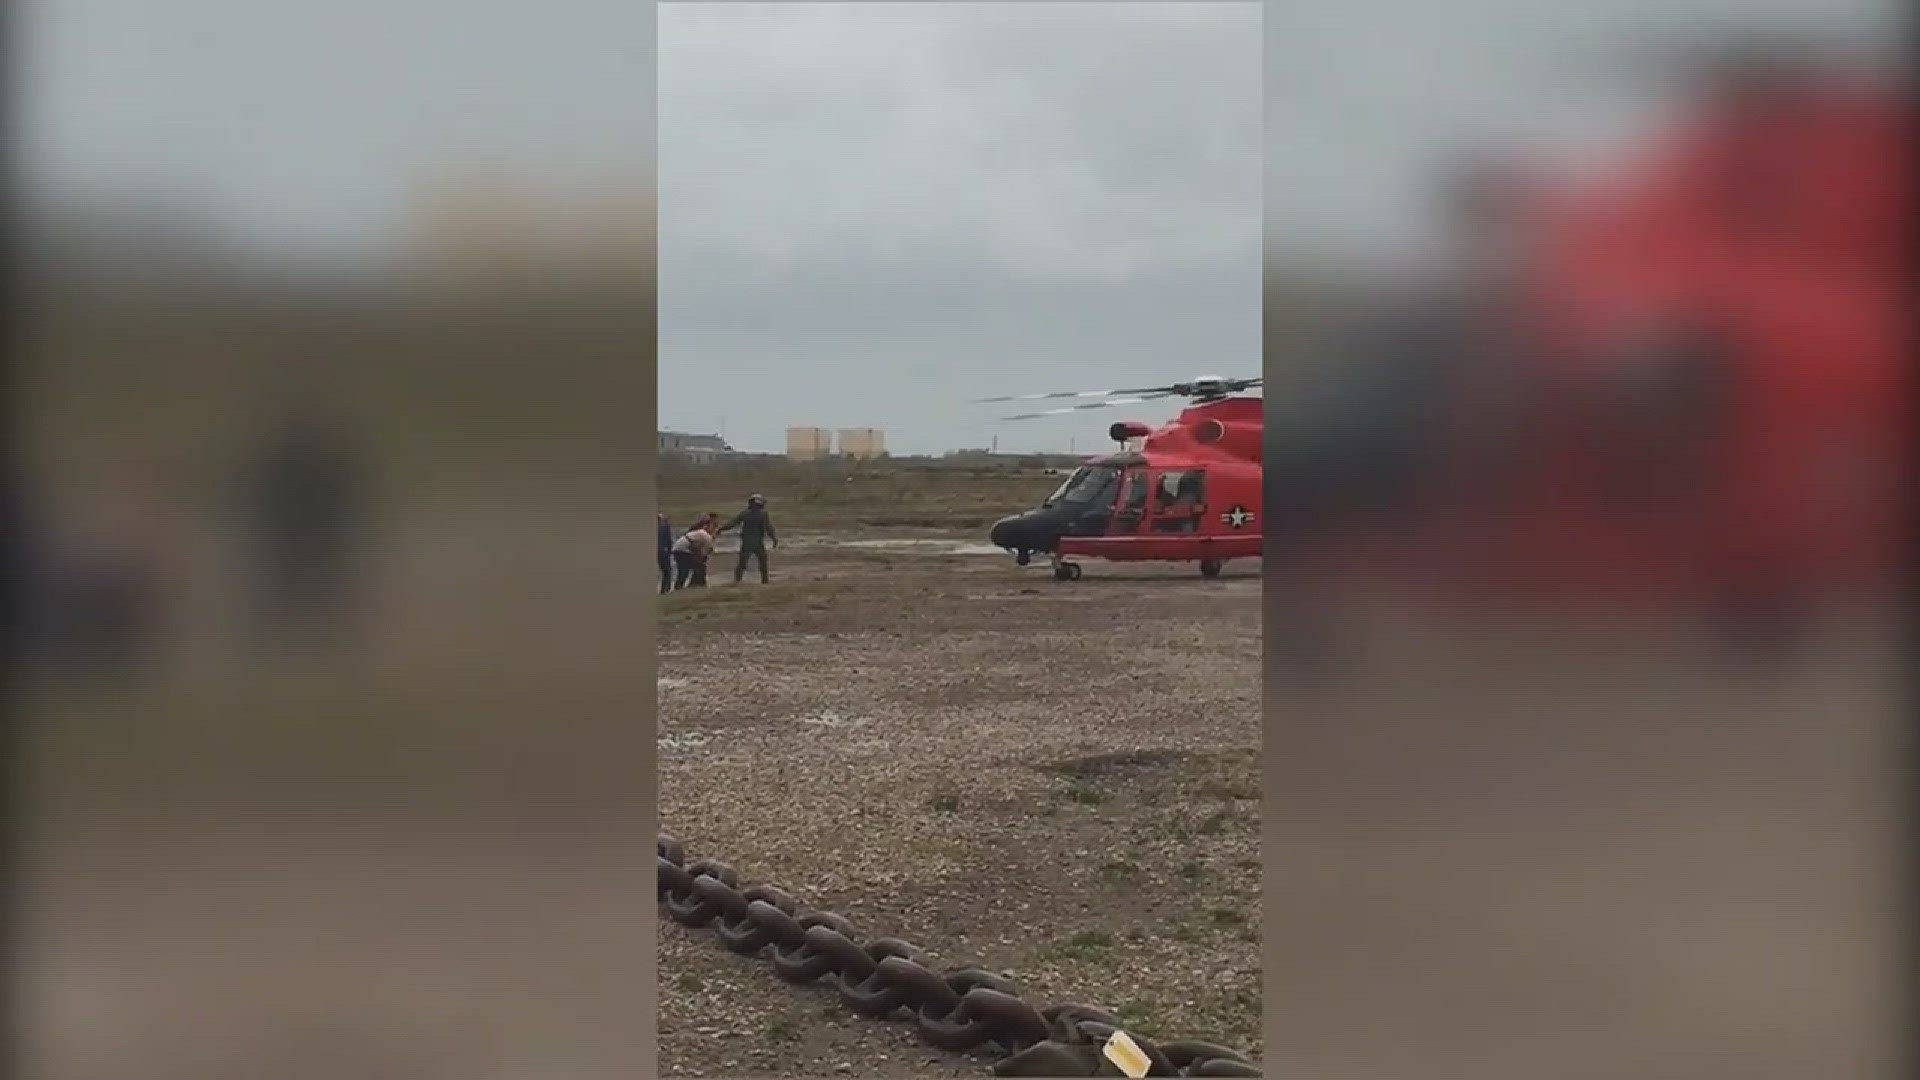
(1022, 557)
(1066, 571)
(1210, 568)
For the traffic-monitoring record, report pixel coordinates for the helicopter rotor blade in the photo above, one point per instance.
(1158, 390)
(1229, 385)
(1108, 403)
(1210, 388)
(1185, 389)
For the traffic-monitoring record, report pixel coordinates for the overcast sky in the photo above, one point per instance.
(898, 206)
(303, 124)
(1368, 98)
(872, 213)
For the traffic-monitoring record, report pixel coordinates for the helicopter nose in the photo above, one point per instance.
(1004, 533)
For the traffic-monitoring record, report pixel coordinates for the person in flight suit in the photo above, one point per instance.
(756, 530)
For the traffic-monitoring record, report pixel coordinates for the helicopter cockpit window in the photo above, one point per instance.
(1088, 486)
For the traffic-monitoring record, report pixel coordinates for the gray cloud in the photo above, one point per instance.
(952, 200)
(1045, 143)
(1008, 175)
(302, 125)
(1367, 99)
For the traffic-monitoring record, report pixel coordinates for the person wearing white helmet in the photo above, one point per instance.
(756, 531)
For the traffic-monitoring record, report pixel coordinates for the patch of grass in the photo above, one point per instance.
(689, 983)
(1174, 830)
(830, 495)
(1184, 931)
(1084, 794)
(944, 804)
(1214, 824)
(1196, 927)
(1143, 1018)
(783, 1030)
(1085, 945)
(1226, 916)
(1235, 790)
(1192, 871)
(1234, 1014)
(1122, 867)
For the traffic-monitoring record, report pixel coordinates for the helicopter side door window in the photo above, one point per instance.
(1179, 501)
(1133, 502)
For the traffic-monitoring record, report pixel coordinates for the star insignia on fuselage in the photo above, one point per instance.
(1237, 517)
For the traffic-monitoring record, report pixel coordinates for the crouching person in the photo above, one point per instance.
(690, 554)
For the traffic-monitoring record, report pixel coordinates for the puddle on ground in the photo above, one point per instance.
(929, 546)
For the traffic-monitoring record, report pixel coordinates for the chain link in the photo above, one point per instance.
(961, 1009)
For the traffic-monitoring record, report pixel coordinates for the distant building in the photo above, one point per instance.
(859, 443)
(809, 443)
(695, 448)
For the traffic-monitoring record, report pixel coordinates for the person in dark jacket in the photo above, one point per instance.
(305, 499)
(664, 543)
(756, 530)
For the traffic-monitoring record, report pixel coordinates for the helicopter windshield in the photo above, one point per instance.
(1088, 484)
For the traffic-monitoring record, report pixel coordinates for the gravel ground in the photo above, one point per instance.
(1055, 781)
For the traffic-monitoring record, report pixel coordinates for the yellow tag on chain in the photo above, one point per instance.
(1126, 1055)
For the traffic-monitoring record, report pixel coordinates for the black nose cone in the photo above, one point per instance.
(1006, 533)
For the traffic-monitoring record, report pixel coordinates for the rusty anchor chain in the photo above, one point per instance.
(959, 1009)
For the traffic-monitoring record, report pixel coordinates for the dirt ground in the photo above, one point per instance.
(1513, 847)
(424, 858)
(1505, 852)
(1057, 781)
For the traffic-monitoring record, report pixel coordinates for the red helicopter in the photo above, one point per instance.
(1705, 404)
(1190, 493)
(1720, 348)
